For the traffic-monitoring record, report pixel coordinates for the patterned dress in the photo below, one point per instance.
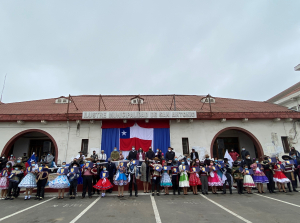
(29, 181)
(259, 176)
(4, 179)
(184, 178)
(248, 181)
(279, 176)
(121, 179)
(165, 180)
(60, 182)
(194, 179)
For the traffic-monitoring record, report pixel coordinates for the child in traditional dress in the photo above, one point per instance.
(279, 177)
(166, 180)
(184, 179)
(103, 184)
(121, 179)
(213, 178)
(248, 182)
(259, 177)
(194, 178)
(4, 181)
(60, 182)
(29, 181)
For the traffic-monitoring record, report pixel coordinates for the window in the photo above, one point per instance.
(84, 146)
(206, 100)
(62, 101)
(185, 146)
(136, 101)
(285, 144)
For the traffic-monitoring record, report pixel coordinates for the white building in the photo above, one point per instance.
(211, 125)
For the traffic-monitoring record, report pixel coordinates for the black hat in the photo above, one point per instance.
(286, 157)
(80, 152)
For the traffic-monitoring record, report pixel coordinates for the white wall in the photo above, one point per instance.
(68, 139)
(201, 133)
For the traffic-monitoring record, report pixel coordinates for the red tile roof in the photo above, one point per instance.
(49, 110)
(291, 90)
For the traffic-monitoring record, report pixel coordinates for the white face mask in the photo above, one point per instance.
(248, 158)
(133, 149)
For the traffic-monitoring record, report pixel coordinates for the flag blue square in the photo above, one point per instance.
(125, 133)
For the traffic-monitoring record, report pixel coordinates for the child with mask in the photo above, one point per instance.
(214, 179)
(73, 176)
(259, 176)
(248, 182)
(166, 180)
(29, 181)
(61, 181)
(103, 184)
(42, 178)
(4, 181)
(184, 179)
(14, 179)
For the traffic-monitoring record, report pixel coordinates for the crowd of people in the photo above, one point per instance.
(99, 174)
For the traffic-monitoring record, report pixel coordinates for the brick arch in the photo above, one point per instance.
(9, 144)
(255, 141)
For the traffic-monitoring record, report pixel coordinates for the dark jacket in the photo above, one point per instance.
(111, 168)
(248, 162)
(132, 155)
(3, 163)
(196, 155)
(244, 153)
(150, 155)
(170, 156)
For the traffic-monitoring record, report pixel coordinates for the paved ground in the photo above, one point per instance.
(277, 207)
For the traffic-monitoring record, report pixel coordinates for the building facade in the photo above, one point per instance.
(67, 125)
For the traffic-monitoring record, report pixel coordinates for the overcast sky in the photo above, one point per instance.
(234, 49)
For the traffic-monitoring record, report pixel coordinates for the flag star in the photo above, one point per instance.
(124, 133)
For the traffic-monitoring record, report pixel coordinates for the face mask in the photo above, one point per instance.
(248, 158)
(246, 168)
(16, 168)
(98, 163)
(150, 149)
(169, 150)
(115, 149)
(211, 164)
(243, 149)
(256, 161)
(157, 151)
(104, 168)
(197, 161)
(48, 154)
(74, 166)
(33, 164)
(294, 156)
(188, 159)
(19, 161)
(133, 149)
(88, 161)
(182, 162)
(3, 157)
(207, 158)
(63, 165)
(176, 159)
(7, 166)
(239, 161)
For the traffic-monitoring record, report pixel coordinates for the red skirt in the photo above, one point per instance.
(194, 180)
(103, 184)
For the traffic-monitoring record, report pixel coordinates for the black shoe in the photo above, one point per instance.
(224, 193)
(152, 194)
(7, 198)
(173, 193)
(99, 192)
(295, 190)
(203, 193)
(273, 192)
(11, 198)
(41, 198)
(90, 196)
(82, 197)
(36, 198)
(136, 195)
(290, 191)
(93, 193)
(206, 193)
(157, 194)
(130, 195)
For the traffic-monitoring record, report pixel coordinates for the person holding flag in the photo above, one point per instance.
(29, 181)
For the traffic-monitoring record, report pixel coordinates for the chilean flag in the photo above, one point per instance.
(136, 136)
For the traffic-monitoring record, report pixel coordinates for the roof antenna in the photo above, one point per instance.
(3, 88)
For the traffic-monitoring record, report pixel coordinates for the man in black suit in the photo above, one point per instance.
(132, 154)
(150, 154)
(244, 153)
(111, 168)
(170, 155)
(194, 155)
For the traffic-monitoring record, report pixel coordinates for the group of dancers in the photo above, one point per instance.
(180, 175)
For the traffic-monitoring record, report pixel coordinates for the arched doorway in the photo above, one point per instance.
(29, 141)
(235, 138)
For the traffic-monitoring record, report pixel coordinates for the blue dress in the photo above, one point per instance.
(29, 181)
(60, 182)
(121, 178)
